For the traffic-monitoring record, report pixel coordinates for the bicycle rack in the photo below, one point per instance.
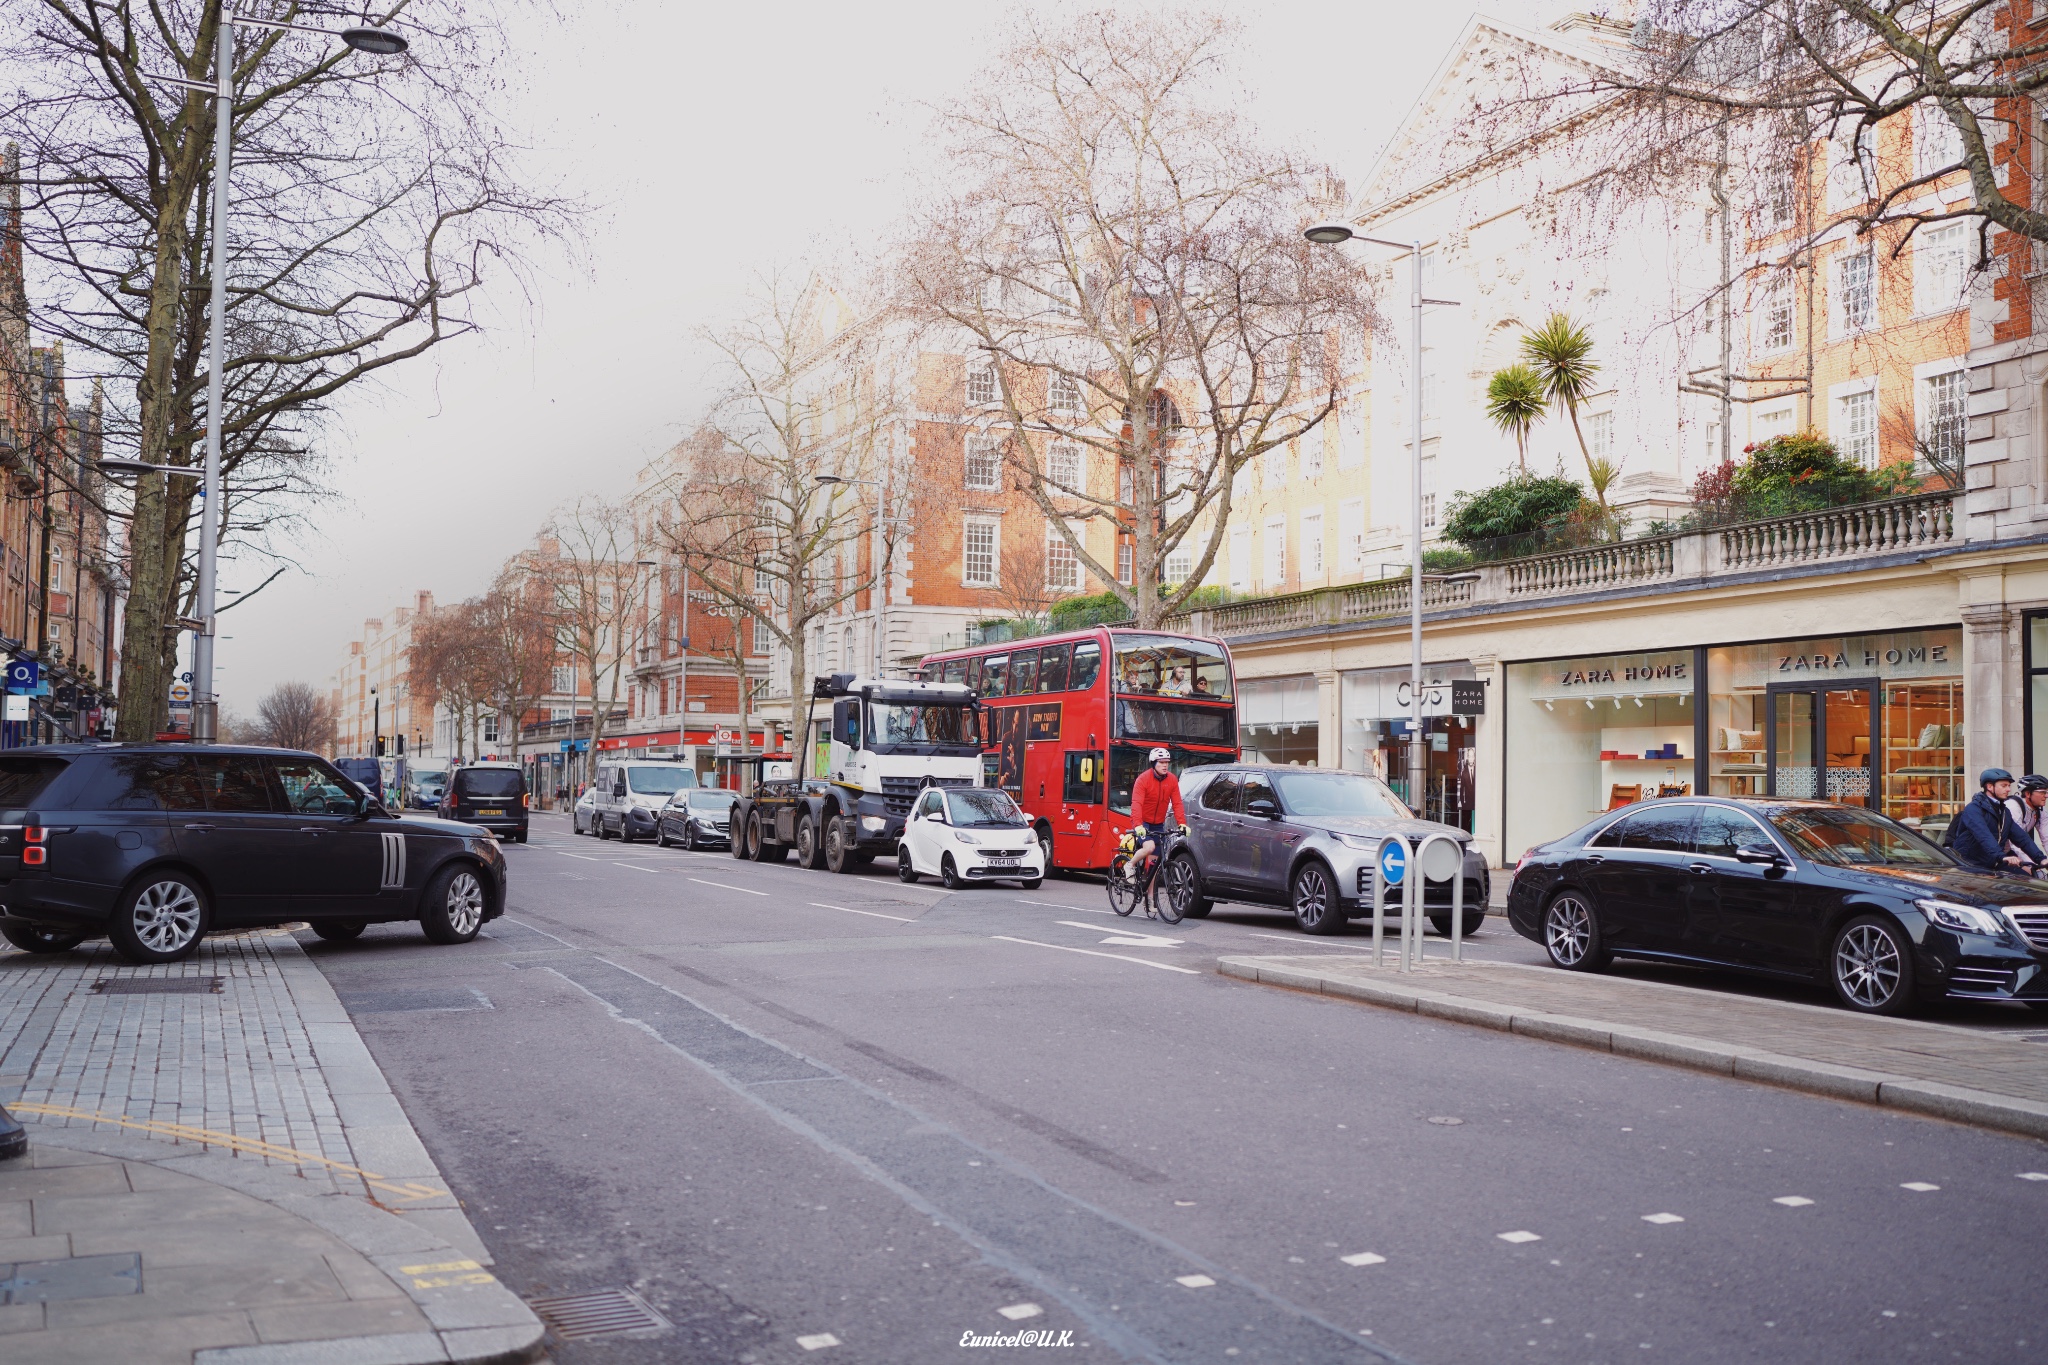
(1457, 894)
(1414, 901)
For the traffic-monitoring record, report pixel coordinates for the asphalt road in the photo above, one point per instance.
(784, 1106)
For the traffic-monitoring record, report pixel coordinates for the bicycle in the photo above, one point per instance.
(1126, 895)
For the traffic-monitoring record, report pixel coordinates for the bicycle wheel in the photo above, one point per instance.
(1123, 897)
(1162, 897)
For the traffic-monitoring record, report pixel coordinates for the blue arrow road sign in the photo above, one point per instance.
(1393, 862)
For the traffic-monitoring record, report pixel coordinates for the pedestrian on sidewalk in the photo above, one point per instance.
(2030, 795)
(1984, 831)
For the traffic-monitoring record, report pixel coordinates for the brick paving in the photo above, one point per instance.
(238, 1062)
(1921, 1050)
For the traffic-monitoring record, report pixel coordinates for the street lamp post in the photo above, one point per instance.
(1334, 234)
(377, 42)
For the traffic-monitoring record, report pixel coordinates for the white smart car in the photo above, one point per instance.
(969, 834)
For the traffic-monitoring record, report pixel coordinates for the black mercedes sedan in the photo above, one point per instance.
(155, 845)
(1800, 890)
(696, 816)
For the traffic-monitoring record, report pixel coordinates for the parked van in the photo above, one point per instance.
(492, 795)
(630, 796)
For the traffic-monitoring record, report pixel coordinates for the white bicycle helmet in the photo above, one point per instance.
(1159, 755)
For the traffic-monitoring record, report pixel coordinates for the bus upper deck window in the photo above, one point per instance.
(995, 675)
(1052, 668)
(1023, 672)
(1086, 668)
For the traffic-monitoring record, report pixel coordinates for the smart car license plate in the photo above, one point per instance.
(490, 812)
(1005, 862)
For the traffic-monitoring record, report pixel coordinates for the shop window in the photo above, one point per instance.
(1278, 721)
(1375, 715)
(2034, 653)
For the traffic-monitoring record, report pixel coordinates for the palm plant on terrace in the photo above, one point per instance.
(1561, 353)
(1515, 402)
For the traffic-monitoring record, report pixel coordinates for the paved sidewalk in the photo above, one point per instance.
(219, 1175)
(1995, 1081)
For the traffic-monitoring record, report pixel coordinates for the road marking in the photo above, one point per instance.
(406, 1190)
(584, 856)
(1194, 1281)
(818, 1342)
(1131, 938)
(1792, 1201)
(1090, 952)
(1083, 909)
(726, 886)
(1364, 1258)
(1017, 1312)
(1919, 1187)
(2034, 1175)
(636, 867)
(1518, 1237)
(1662, 1218)
(900, 919)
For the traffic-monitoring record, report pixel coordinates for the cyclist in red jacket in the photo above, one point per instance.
(1154, 796)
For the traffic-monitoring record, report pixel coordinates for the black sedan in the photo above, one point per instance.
(156, 845)
(696, 817)
(1800, 890)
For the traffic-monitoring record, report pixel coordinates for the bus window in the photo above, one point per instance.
(956, 672)
(1052, 668)
(1084, 780)
(1023, 672)
(973, 678)
(1170, 666)
(1087, 666)
(995, 674)
(1126, 761)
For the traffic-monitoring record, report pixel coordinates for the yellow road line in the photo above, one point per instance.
(406, 1190)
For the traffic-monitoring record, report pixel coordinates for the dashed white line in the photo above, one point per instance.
(1090, 952)
(1017, 1312)
(726, 886)
(1364, 1258)
(636, 867)
(585, 857)
(900, 919)
(818, 1341)
(1662, 1218)
(1194, 1281)
(1084, 909)
(1792, 1201)
(1919, 1187)
(1518, 1237)
(2034, 1175)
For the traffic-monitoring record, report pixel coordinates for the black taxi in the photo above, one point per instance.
(155, 845)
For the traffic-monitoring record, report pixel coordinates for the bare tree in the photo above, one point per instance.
(593, 587)
(1127, 260)
(369, 196)
(804, 398)
(516, 644)
(446, 663)
(1023, 586)
(295, 715)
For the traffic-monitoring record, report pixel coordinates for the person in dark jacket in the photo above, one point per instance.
(1984, 830)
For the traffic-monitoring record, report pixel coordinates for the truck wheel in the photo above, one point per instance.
(760, 846)
(807, 843)
(839, 844)
(736, 836)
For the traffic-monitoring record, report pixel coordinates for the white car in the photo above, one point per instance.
(585, 814)
(969, 834)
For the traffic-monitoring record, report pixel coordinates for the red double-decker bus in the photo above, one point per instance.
(1071, 717)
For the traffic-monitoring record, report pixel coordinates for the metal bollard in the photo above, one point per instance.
(1379, 900)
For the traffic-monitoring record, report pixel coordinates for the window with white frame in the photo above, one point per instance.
(1063, 466)
(1944, 418)
(1312, 543)
(1063, 396)
(984, 463)
(1429, 476)
(1276, 553)
(980, 552)
(1432, 383)
(491, 728)
(564, 679)
(1600, 435)
(1180, 563)
(1854, 428)
(1312, 455)
(982, 389)
(1852, 168)
(763, 638)
(1774, 332)
(1937, 142)
(560, 712)
(1126, 493)
(1351, 535)
(1855, 301)
(1126, 557)
(1275, 464)
(1781, 196)
(1714, 442)
(1939, 258)
(1062, 565)
(1240, 558)
(1769, 422)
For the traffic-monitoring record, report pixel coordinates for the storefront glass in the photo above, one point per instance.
(1586, 735)
(1277, 720)
(2036, 652)
(1376, 709)
(1866, 720)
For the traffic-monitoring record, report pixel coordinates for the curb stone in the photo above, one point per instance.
(1959, 1104)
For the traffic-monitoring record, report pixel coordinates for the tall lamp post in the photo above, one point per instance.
(882, 582)
(1335, 233)
(377, 42)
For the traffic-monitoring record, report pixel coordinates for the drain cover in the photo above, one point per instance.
(158, 985)
(600, 1313)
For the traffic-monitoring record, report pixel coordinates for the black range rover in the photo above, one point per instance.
(154, 845)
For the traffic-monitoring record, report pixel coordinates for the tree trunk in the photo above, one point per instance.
(799, 692)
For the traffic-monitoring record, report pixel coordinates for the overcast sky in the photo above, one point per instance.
(715, 142)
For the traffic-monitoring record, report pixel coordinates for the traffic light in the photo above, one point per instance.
(380, 746)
